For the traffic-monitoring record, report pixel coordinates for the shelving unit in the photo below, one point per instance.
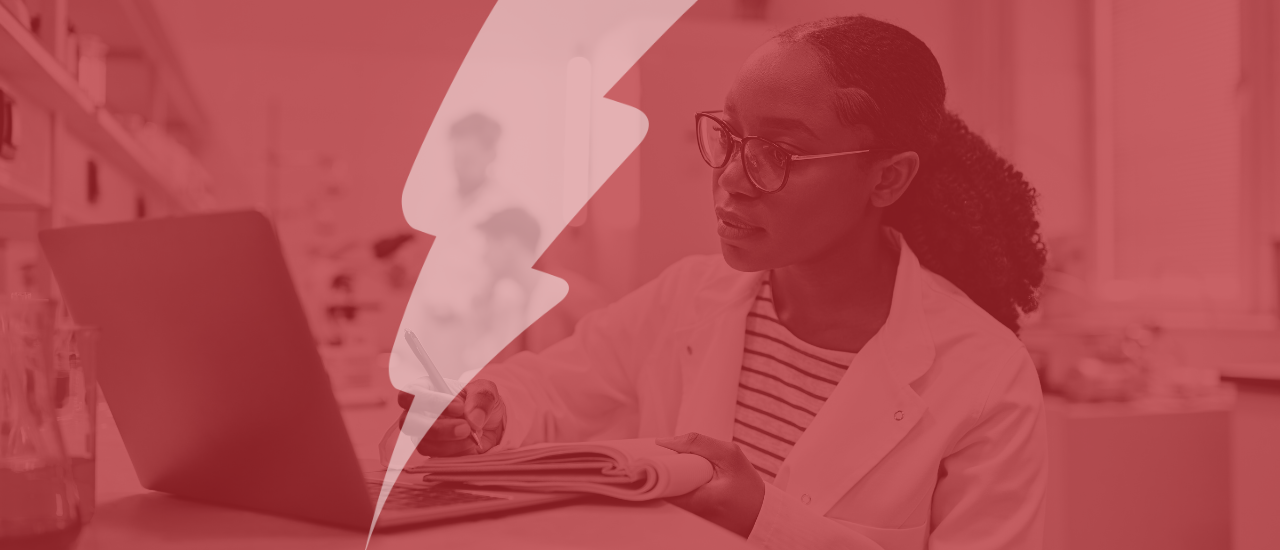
(35, 73)
(77, 160)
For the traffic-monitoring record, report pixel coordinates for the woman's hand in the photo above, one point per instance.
(733, 497)
(478, 409)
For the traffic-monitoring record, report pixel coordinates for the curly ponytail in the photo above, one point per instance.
(968, 215)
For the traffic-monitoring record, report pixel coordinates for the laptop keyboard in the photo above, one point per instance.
(425, 496)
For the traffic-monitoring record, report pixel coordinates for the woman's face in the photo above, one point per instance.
(783, 94)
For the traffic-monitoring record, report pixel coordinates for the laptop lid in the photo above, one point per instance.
(208, 364)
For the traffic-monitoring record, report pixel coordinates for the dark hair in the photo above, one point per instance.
(514, 222)
(968, 215)
(479, 126)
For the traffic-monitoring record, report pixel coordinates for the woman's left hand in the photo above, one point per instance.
(733, 497)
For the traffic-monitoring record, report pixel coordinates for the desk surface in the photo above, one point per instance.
(129, 516)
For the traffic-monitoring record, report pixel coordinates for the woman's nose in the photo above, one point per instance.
(733, 179)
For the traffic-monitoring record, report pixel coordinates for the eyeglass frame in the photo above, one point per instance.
(740, 145)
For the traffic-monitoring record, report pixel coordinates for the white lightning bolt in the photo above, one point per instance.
(541, 68)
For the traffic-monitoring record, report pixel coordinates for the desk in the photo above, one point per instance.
(1129, 475)
(1254, 455)
(129, 516)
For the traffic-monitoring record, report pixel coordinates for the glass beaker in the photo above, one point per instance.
(38, 493)
(75, 402)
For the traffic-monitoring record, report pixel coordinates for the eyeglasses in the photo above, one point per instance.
(766, 163)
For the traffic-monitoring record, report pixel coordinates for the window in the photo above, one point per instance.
(1175, 224)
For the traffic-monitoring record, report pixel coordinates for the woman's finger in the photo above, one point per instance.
(490, 439)
(496, 416)
(405, 400)
(710, 448)
(481, 404)
(456, 407)
(448, 405)
(448, 429)
(494, 428)
(461, 447)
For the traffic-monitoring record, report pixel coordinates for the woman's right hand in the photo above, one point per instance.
(477, 408)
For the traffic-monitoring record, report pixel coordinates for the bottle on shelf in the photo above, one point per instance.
(91, 68)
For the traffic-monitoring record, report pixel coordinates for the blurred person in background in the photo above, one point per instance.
(449, 316)
(508, 302)
(474, 143)
(850, 364)
(502, 306)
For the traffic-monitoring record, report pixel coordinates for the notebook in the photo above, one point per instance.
(626, 469)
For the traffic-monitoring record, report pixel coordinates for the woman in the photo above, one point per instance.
(850, 365)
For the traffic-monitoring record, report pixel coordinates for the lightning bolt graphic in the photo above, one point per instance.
(541, 68)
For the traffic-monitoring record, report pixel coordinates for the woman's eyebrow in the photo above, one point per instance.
(785, 124)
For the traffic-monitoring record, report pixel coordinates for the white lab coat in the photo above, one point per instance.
(935, 437)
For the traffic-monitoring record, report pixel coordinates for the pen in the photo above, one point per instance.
(437, 380)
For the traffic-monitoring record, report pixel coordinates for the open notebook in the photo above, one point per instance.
(627, 469)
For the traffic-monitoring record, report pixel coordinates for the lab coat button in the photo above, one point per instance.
(806, 499)
(898, 415)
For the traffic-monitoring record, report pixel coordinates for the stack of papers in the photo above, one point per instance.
(627, 469)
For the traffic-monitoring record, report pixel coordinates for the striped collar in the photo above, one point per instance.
(905, 334)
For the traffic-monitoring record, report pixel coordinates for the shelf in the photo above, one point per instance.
(133, 26)
(1252, 371)
(38, 77)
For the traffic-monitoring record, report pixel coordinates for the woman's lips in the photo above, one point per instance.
(734, 227)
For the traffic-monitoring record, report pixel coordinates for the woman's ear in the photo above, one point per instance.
(895, 175)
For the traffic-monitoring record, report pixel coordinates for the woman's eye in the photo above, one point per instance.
(787, 149)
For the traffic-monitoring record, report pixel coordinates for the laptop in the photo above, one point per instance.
(214, 378)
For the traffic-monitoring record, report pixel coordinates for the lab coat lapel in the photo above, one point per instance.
(866, 416)
(712, 355)
(872, 408)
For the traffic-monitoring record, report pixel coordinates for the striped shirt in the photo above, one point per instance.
(784, 383)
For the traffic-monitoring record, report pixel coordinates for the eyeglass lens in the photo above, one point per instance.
(765, 163)
(714, 142)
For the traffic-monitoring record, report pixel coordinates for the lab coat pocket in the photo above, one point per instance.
(914, 538)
